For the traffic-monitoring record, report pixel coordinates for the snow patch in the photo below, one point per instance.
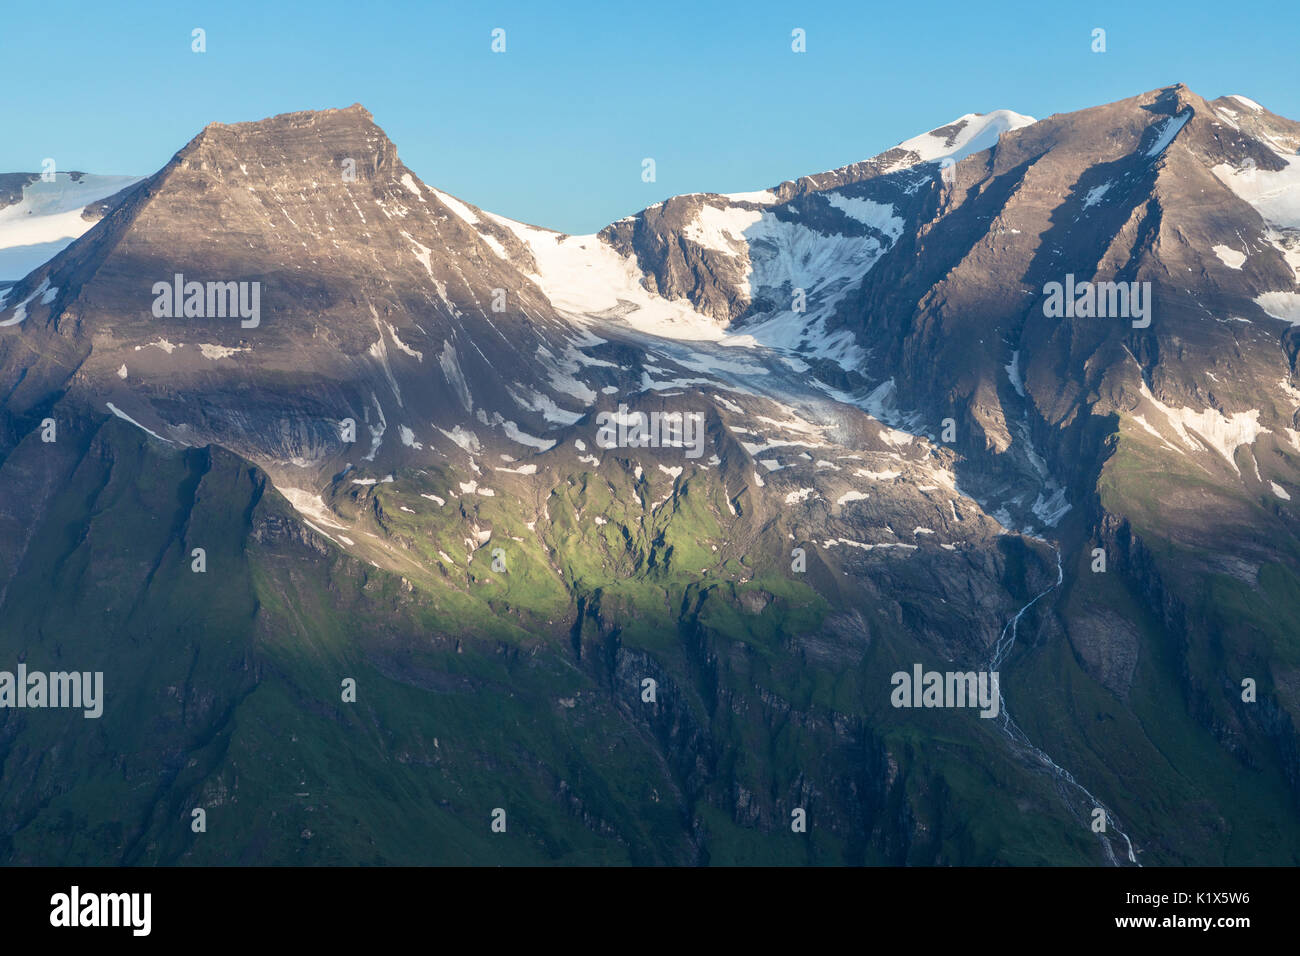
(20, 310)
(456, 206)
(464, 438)
(215, 352)
(514, 433)
(1280, 305)
(1230, 257)
(1095, 194)
(127, 418)
(1223, 433)
(408, 437)
(451, 371)
(392, 332)
(1013, 374)
(409, 183)
(1166, 130)
(877, 215)
(977, 132)
(162, 344)
(310, 504)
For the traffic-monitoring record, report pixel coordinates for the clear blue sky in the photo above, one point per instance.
(554, 130)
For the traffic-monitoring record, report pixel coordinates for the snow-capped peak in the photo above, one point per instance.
(965, 135)
(1246, 102)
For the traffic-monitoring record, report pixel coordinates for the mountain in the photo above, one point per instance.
(878, 444)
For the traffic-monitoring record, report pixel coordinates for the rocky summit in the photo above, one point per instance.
(936, 509)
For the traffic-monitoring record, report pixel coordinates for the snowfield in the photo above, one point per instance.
(48, 217)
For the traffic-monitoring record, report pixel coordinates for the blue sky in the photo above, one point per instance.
(553, 131)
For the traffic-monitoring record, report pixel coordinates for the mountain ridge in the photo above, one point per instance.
(888, 475)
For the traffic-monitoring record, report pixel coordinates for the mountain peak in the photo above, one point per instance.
(318, 146)
(299, 117)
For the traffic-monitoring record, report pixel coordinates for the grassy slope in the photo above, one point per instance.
(223, 690)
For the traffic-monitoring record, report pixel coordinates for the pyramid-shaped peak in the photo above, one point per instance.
(1171, 99)
(309, 141)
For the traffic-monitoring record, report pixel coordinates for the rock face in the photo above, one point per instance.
(363, 276)
(778, 262)
(870, 442)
